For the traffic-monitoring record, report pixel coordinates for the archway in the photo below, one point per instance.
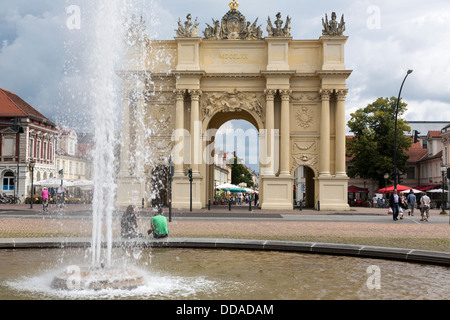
(159, 186)
(232, 134)
(304, 186)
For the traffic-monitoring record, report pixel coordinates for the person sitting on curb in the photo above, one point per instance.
(129, 224)
(158, 225)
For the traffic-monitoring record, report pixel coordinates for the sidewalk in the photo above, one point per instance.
(78, 208)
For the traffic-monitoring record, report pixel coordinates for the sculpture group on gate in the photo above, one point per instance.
(235, 27)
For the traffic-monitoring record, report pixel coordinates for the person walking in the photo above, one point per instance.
(411, 200)
(425, 207)
(394, 203)
(45, 199)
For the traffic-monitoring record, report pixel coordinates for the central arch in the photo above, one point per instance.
(210, 127)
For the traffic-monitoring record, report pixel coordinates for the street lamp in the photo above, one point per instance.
(395, 131)
(31, 166)
(443, 169)
(386, 176)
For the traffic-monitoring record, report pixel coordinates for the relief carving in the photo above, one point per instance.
(304, 153)
(231, 102)
(304, 117)
(161, 120)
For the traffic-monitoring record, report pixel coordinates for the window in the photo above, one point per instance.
(8, 181)
(38, 150)
(411, 173)
(8, 147)
(31, 154)
(45, 150)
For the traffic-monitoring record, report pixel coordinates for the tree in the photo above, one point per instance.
(372, 148)
(239, 174)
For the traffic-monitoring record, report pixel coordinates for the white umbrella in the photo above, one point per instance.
(436, 191)
(52, 183)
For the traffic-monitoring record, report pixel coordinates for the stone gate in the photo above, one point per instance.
(176, 92)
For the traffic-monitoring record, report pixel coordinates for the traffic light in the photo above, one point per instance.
(416, 136)
(400, 178)
(448, 173)
(190, 174)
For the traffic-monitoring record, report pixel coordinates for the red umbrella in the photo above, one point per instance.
(400, 188)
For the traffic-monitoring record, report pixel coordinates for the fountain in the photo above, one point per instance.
(168, 273)
(108, 18)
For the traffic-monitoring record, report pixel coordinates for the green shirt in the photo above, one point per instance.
(160, 224)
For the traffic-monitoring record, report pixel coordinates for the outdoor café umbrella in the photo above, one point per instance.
(400, 188)
(230, 187)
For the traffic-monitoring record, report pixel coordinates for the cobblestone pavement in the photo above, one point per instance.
(19, 221)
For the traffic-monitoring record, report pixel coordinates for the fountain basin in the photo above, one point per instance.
(88, 278)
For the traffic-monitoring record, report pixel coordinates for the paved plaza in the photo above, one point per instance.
(361, 226)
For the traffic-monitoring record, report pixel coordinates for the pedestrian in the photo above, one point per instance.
(129, 224)
(411, 200)
(45, 199)
(375, 201)
(425, 207)
(158, 225)
(394, 203)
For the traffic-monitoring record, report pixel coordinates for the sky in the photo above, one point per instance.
(41, 49)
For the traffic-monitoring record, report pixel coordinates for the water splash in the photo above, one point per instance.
(103, 61)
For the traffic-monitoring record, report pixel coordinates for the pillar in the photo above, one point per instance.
(285, 129)
(270, 126)
(179, 133)
(195, 130)
(340, 133)
(324, 168)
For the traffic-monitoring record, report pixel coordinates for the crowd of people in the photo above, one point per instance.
(238, 198)
(399, 204)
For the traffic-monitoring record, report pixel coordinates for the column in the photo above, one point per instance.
(270, 126)
(285, 133)
(324, 169)
(126, 139)
(196, 130)
(340, 133)
(179, 133)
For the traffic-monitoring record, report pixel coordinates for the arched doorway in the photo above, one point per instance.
(230, 135)
(159, 186)
(304, 186)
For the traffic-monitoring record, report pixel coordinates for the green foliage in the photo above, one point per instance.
(240, 174)
(372, 148)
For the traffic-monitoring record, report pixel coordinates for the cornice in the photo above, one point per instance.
(334, 73)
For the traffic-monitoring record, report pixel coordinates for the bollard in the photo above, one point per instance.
(142, 203)
(250, 206)
(318, 205)
(209, 205)
(229, 205)
(301, 206)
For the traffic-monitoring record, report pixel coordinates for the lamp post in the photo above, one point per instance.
(31, 166)
(395, 131)
(443, 169)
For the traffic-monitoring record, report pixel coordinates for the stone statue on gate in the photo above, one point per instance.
(333, 28)
(278, 30)
(189, 29)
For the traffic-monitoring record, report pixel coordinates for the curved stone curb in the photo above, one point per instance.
(406, 255)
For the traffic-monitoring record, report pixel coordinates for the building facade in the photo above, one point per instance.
(292, 91)
(32, 139)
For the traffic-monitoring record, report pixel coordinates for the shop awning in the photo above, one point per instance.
(356, 189)
(427, 187)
